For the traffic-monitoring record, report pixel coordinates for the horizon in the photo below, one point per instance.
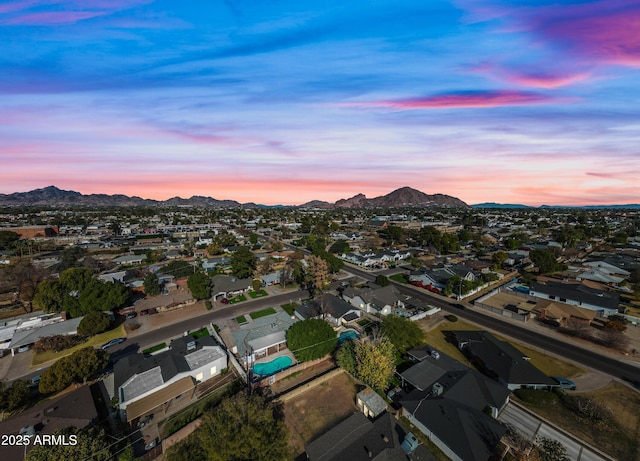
(283, 103)
(332, 202)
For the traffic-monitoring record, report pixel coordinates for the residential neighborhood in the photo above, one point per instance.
(162, 317)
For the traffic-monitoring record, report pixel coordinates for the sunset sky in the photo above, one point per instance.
(533, 102)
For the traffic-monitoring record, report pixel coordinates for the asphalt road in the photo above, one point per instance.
(589, 358)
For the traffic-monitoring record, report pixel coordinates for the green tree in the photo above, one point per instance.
(189, 449)
(178, 269)
(546, 261)
(15, 396)
(253, 238)
(346, 356)
(77, 367)
(91, 444)
(103, 296)
(498, 258)
(70, 257)
(93, 323)
(214, 249)
(243, 262)
(382, 280)
(392, 234)
(200, 285)
(151, 284)
(402, 333)
(25, 278)
(243, 428)
(87, 362)
(375, 363)
(551, 450)
(311, 339)
(340, 247)
(8, 240)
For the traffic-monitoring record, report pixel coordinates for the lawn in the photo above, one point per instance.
(262, 313)
(312, 413)
(200, 333)
(155, 348)
(237, 299)
(289, 307)
(97, 340)
(548, 364)
(400, 278)
(257, 294)
(241, 319)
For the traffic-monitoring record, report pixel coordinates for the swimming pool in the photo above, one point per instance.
(271, 368)
(347, 335)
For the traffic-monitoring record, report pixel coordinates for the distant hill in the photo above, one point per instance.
(499, 205)
(52, 196)
(403, 197)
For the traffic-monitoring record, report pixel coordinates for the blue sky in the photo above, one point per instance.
(282, 102)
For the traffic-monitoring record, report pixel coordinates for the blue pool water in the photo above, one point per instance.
(347, 335)
(271, 368)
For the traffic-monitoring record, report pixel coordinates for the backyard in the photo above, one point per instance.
(311, 414)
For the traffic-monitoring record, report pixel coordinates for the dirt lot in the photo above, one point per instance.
(314, 412)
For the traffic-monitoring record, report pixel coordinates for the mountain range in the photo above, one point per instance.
(53, 196)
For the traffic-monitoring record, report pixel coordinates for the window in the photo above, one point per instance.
(199, 376)
(213, 371)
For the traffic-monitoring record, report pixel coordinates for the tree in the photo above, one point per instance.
(8, 240)
(276, 246)
(86, 362)
(318, 273)
(243, 262)
(214, 249)
(77, 367)
(382, 280)
(346, 356)
(402, 333)
(200, 285)
(266, 265)
(546, 261)
(499, 258)
(375, 363)
(93, 323)
(178, 269)
(25, 278)
(90, 444)
(151, 284)
(14, 396)
(340, 247)
(243, 427)
(311, 339)
(69, 257)
(253, 238)
(551, 450)
(101, 295)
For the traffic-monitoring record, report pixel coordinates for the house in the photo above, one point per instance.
(562, 314)
(329, 307)
(27, 332)
(75, 408)
(581, 294)
(225, 286)
(270, 279)
(211, 264)
(144, 384)
(370, 403)
(133, 260)
(380, 300)
(259, 338)
(360, 439)
(501, 361)
(453, 405)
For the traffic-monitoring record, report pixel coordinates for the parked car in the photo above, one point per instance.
(224, 301)
(151, 444)
(565, 383)
(131, 315)
(113, 342)
(150, 311)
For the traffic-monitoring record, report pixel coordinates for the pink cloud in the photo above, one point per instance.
(54, 17)
(464, 100)
(607, 30)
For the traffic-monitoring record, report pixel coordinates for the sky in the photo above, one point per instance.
(282, 102)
